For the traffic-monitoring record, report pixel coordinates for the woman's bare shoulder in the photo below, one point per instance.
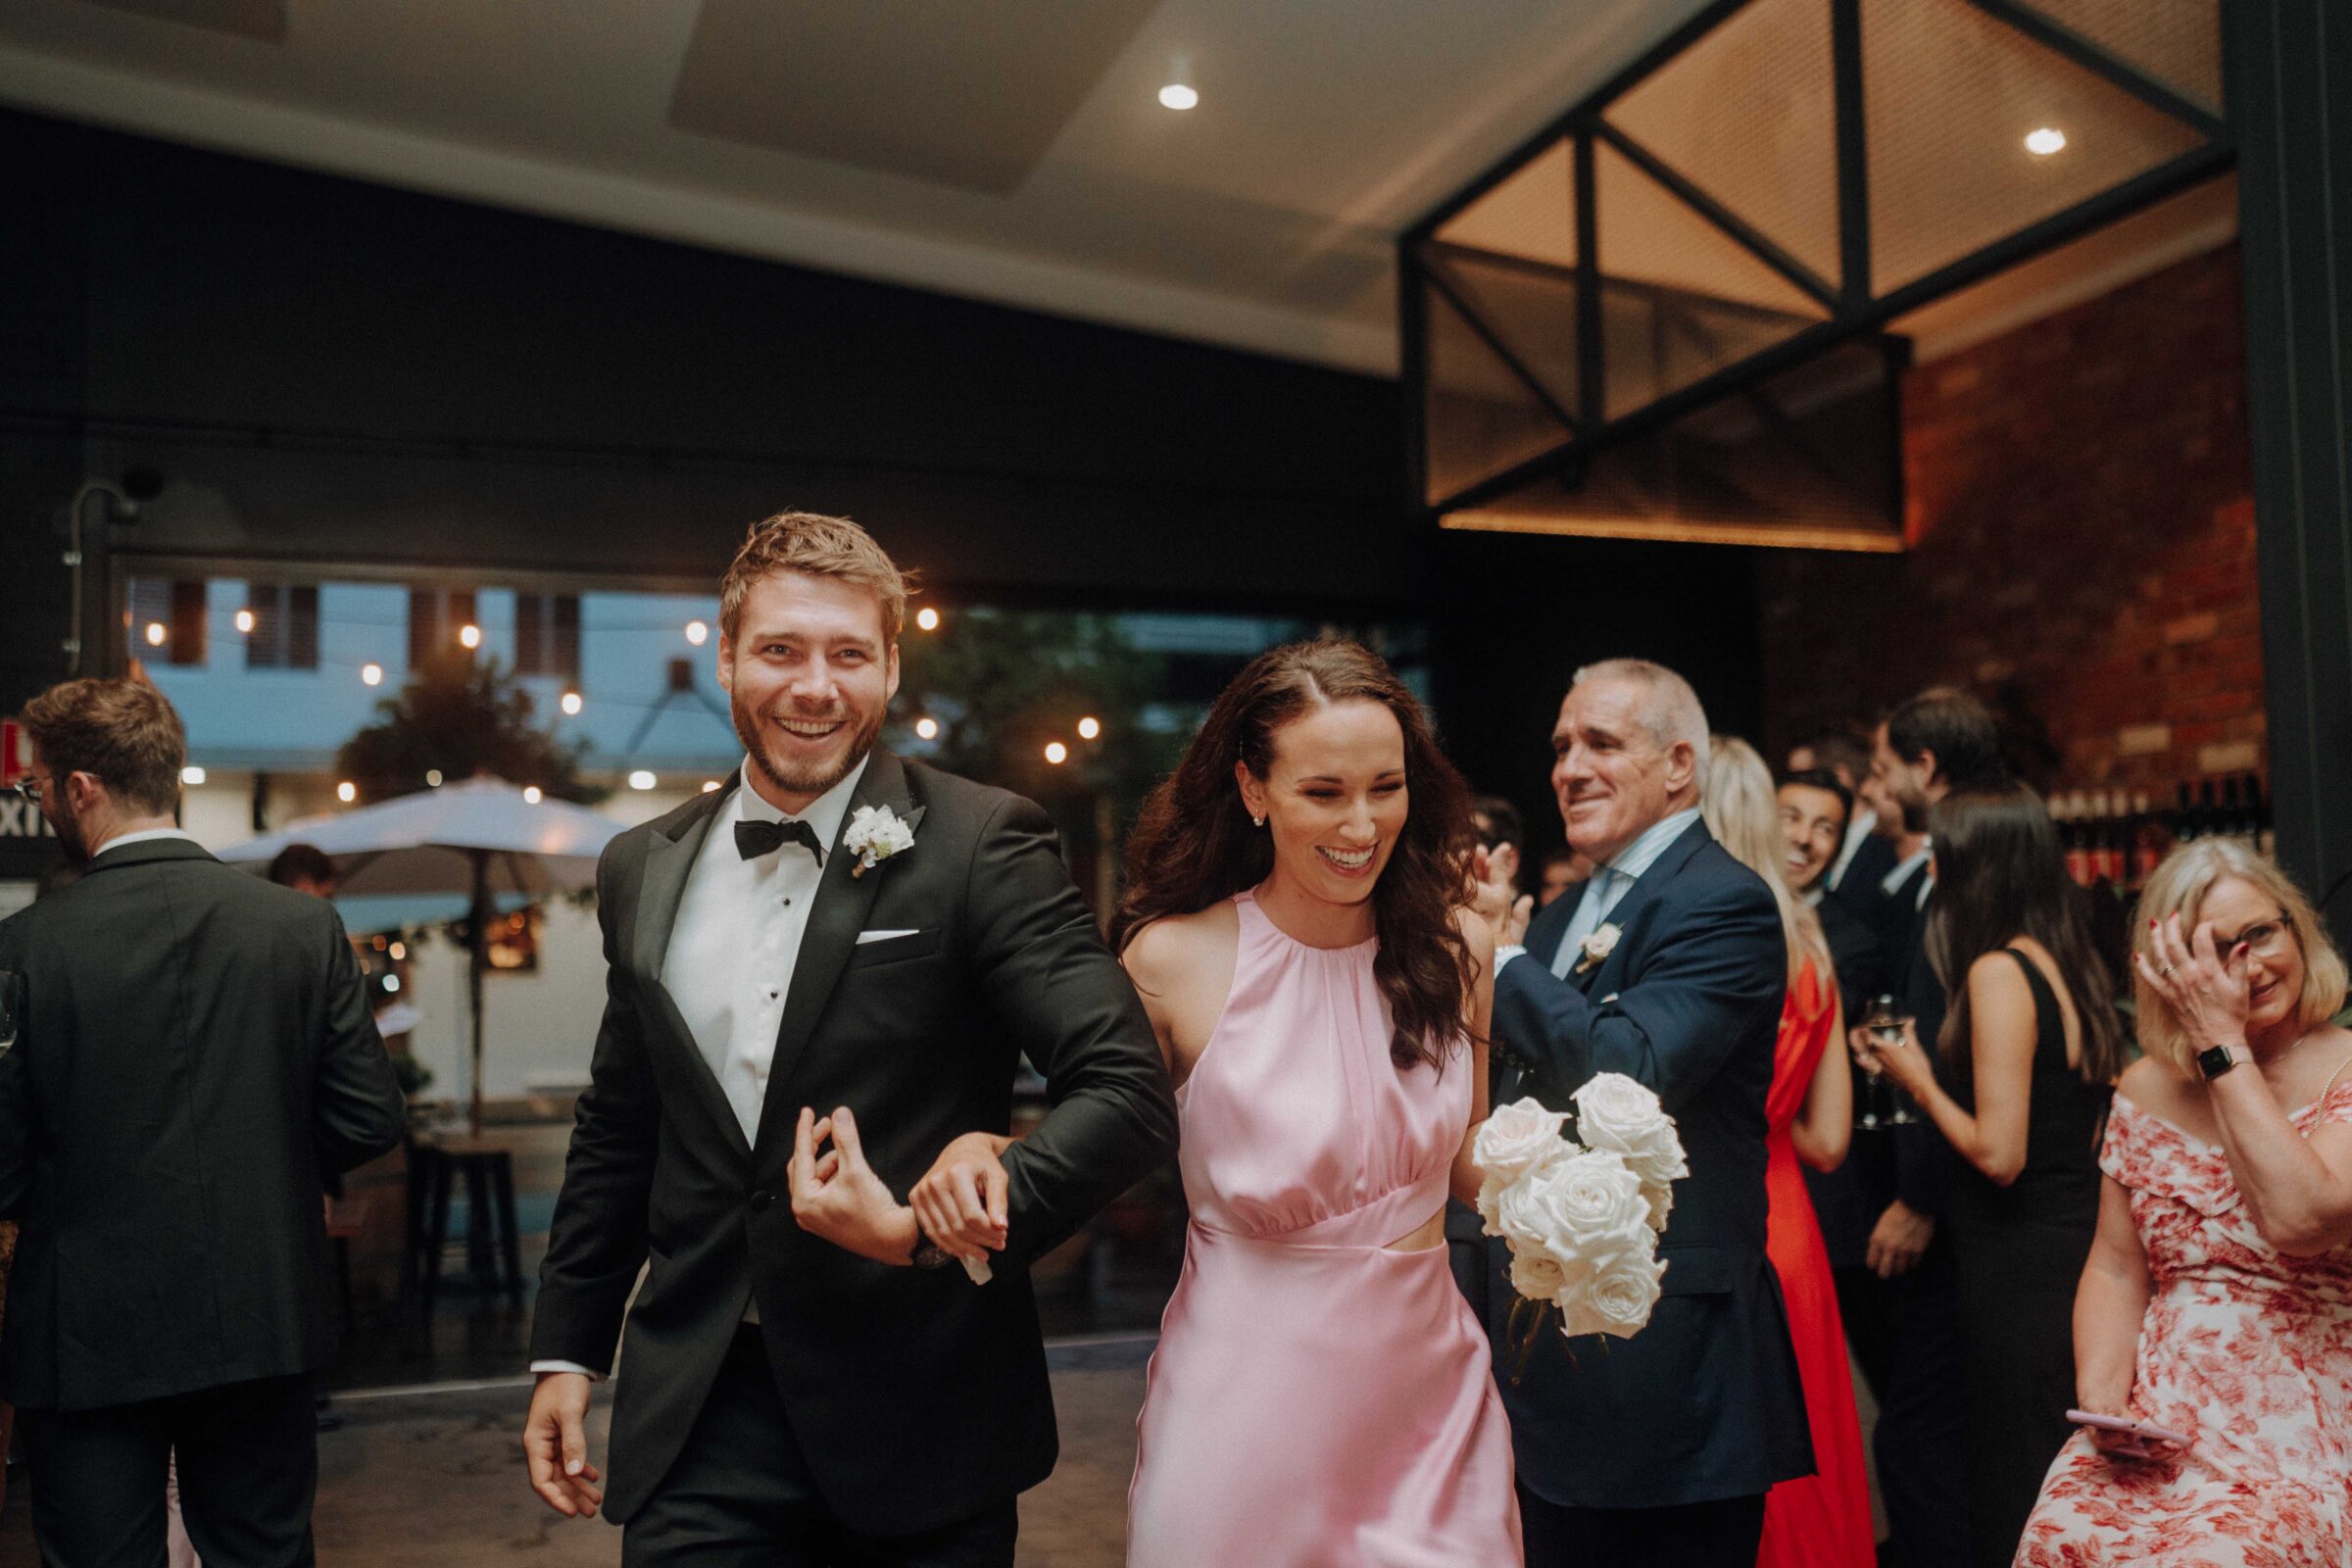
(1177, 945)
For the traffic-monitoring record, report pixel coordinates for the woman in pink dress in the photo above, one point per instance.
(1322, 1396)
(1821, 1520)
(2216, 1302)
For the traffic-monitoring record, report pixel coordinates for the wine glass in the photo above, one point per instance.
(1884, 1103)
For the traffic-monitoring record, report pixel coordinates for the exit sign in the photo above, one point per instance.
(27, 847)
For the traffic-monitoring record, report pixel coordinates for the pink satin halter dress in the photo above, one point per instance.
(1316, 1399)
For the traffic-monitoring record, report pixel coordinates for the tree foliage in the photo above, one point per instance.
(461, 716)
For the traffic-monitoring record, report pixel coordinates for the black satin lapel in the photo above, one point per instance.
(667, 863)
(844, 899)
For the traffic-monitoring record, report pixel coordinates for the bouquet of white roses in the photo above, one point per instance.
(1582, 1220)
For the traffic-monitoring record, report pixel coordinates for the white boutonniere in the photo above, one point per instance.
(1597, 948)
(874, 835)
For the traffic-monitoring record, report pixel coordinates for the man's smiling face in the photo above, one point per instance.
(809, 674)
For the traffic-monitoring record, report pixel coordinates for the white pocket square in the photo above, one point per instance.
(863, 937)
(1611, 997)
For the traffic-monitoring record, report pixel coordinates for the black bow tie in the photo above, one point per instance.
(756, 838)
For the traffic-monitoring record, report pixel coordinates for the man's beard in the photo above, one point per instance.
(69, 839)
(803, 780)
(1915, 811)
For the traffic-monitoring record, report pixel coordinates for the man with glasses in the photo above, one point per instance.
(194, 1055)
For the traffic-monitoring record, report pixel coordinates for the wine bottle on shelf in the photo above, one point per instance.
(2209, 809)
(2266, 839)
(2074, 835)
(2147, 840)
(2184, 813)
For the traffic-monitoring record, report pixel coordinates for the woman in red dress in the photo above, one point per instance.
(1821, 1520)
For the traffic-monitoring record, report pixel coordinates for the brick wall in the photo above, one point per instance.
(2082, 544)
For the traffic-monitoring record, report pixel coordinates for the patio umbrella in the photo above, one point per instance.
(482, 839)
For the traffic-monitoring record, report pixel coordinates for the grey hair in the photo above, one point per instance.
(1669, 708)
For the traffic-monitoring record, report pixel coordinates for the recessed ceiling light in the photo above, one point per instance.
(1176, 95)
(2044, 141)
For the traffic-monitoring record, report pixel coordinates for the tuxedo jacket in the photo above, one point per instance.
(917, 1398)
(1704, 1403)
(196, 1055)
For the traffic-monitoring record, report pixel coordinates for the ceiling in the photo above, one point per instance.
(1009, 150)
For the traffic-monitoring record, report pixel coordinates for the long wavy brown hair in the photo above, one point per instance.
(1194, 843)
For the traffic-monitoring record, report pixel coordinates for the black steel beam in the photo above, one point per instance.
(2120, 201)
(1853, 150)
(1436, 277)
(1412, 369)
(1560, 126)
(1591, 367)
(1750, 238)
(2103, 62)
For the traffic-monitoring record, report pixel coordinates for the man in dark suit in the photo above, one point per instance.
(841, 945)
(195, 1055)
(1902, 1309)
(1866, 852)
(1670, 967)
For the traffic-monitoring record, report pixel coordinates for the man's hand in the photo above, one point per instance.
(1898, 1239)
(1491, 899)
(837, 1196)
(555, 1442)
(960, 1199)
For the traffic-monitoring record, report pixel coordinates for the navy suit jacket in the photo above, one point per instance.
(1703, 1403)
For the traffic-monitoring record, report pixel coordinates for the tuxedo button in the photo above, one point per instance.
(763, 1201)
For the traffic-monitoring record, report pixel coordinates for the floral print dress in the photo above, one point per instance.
(2244, 1350)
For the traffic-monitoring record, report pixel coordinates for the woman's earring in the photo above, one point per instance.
(1256, 820)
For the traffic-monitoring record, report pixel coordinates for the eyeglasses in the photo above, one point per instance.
(2265, 939)
(30, 787)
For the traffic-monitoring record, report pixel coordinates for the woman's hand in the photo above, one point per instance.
(1906, 1062)
(960, 1199)
(2205, 989)
(1491, 895)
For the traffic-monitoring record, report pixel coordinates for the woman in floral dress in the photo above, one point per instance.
(2217, 1298)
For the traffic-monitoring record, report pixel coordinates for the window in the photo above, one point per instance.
(546, 635)
(285, 626)
(435, 618)
(164, 620)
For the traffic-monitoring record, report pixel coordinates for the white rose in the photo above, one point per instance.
(1615, 1302)
(1519, 1138)
(1537, 1277)
(1616, 1113)
(1588, 1211)
(1601, 944)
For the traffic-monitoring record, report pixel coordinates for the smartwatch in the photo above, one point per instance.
(2215, 1060)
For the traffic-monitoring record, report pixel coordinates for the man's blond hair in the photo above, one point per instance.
(823, 546)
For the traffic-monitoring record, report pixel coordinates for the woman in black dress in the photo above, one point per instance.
(2028, 1057)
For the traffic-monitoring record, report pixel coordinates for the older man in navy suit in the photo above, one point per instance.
(1670, 969)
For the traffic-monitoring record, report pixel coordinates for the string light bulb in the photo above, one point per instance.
(570, 702)
(641, 779)
(156, 634)
(927, 618)
(927, 727)
(1057, 753)
(470, 635)
(371, 674)
(1088, 728)
(347, 792)
(532, 794)
(244, 621)
(698, 632)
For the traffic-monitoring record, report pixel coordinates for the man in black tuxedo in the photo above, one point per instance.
(840, 946)
(1902, 1309)
(1866, 853)
(194, 1056)
(1670, 967)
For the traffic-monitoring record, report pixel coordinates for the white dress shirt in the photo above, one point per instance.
(1857, 832)
(1606, 887)
(733, 948)
(1903, 868)
(737, 939)
(146, 836)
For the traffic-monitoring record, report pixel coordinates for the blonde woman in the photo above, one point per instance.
(1822, 1519)
(2216, 1302)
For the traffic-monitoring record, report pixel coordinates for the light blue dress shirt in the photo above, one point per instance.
(1608, 885)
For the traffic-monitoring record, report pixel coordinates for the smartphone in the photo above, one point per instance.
(2125, 1424)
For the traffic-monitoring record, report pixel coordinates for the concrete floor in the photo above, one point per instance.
(434, 1478)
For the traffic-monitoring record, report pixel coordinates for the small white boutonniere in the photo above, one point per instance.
(1597, 948)
(874, 835)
